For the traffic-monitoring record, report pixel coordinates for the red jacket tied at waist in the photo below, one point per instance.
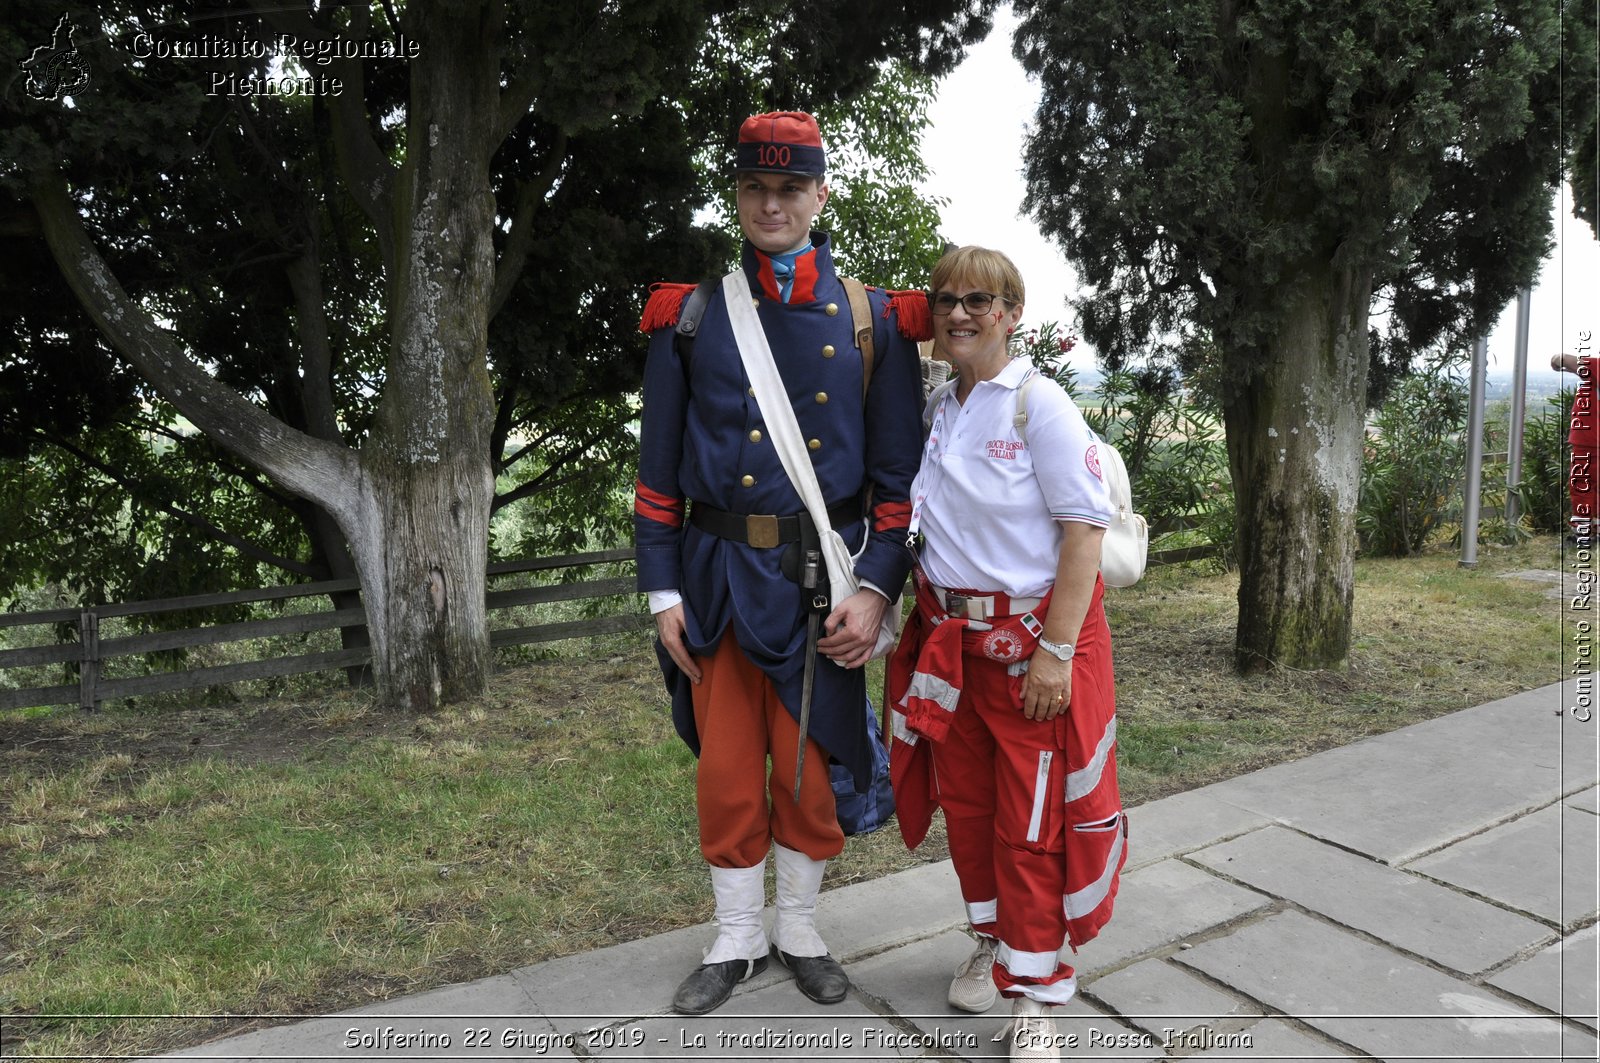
(924, 681)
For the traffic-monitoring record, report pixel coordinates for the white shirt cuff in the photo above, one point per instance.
(660, 601)
(868, 585)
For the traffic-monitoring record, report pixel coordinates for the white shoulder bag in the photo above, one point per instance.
(1126, 545)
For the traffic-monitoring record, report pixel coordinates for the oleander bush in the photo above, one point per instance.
(1169, 437)
(1412, 466)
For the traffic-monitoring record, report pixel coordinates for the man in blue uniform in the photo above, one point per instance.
(719, 526)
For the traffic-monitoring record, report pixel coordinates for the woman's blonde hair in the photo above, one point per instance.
(989, 270)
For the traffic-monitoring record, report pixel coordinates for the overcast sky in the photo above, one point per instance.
(974, 149)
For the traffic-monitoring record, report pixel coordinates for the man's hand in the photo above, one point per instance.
(669, 628)
(858, 617)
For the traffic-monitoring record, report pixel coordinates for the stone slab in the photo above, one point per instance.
(1181, 823)
(638, 978)
(1373, 998)
(868, 917)
(1271, 1039)
(1419, 916)
(1561, 977)
(1158, 997)
(624, 981)
(1588, 801)
(1542, 864)
(487, 1019)
(1523, 757)
(913, 981)
(1160, 905)
(775, 1022)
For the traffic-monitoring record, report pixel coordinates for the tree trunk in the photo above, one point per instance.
(421, 534)
(1295, 435)
(414, 503)
(422, 548)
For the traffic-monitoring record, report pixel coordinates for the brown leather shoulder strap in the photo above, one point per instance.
(861, 314)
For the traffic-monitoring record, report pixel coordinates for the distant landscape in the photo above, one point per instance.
(1542, 383)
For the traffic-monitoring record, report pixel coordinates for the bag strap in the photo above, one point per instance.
(861, 315)
(784, 430)
(1019, 419)
(694, 310)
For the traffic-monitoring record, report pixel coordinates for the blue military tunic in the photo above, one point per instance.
(703, 439)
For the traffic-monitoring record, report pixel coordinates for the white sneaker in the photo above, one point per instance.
(973, 989)
(1032, 1030)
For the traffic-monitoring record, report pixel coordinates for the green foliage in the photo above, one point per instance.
(1172, 443)
(1411, 478)
(239, 222)
(1543, 494)
(1581, 114)
(1197, 160)
(884, 231)
(1241, 185)
(1169, 437)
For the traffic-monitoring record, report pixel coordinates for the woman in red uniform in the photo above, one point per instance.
(1001, 690)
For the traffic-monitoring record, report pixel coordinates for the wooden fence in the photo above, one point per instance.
(91, 651)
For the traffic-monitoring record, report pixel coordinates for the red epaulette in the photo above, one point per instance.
(912, 313)
(661, 310)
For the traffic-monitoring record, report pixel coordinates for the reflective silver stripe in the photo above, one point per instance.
(1086, 900)
(1081, 783)
(929, 686)
(1027, 964)
(1041, 786)
(1054, 993)
(900, 729)
(982, 911)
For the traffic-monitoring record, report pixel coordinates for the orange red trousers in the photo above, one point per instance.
(742, 722)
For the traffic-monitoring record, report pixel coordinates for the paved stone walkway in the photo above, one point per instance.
(1426, 894)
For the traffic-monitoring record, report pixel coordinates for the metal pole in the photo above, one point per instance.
(1469, 508)
(1519, 409)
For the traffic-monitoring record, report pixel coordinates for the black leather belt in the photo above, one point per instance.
(766, 529)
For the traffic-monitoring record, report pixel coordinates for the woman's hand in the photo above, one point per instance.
(1047, 688)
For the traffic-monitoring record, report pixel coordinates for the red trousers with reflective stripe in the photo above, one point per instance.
(1014, 839)
(742, 722)
(1000, 781)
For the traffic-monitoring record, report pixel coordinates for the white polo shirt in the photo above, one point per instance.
(987, 503)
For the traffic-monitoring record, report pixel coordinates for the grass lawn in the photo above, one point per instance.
(310, 855)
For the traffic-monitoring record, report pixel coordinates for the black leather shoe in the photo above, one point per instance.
(819, 977)
(709, 985)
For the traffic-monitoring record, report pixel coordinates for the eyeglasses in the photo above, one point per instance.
(975, 303)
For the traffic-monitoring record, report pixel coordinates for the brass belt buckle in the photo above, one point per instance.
(761, 529)
(955, 604)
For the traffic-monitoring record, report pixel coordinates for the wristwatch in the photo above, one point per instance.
(1059, 650)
